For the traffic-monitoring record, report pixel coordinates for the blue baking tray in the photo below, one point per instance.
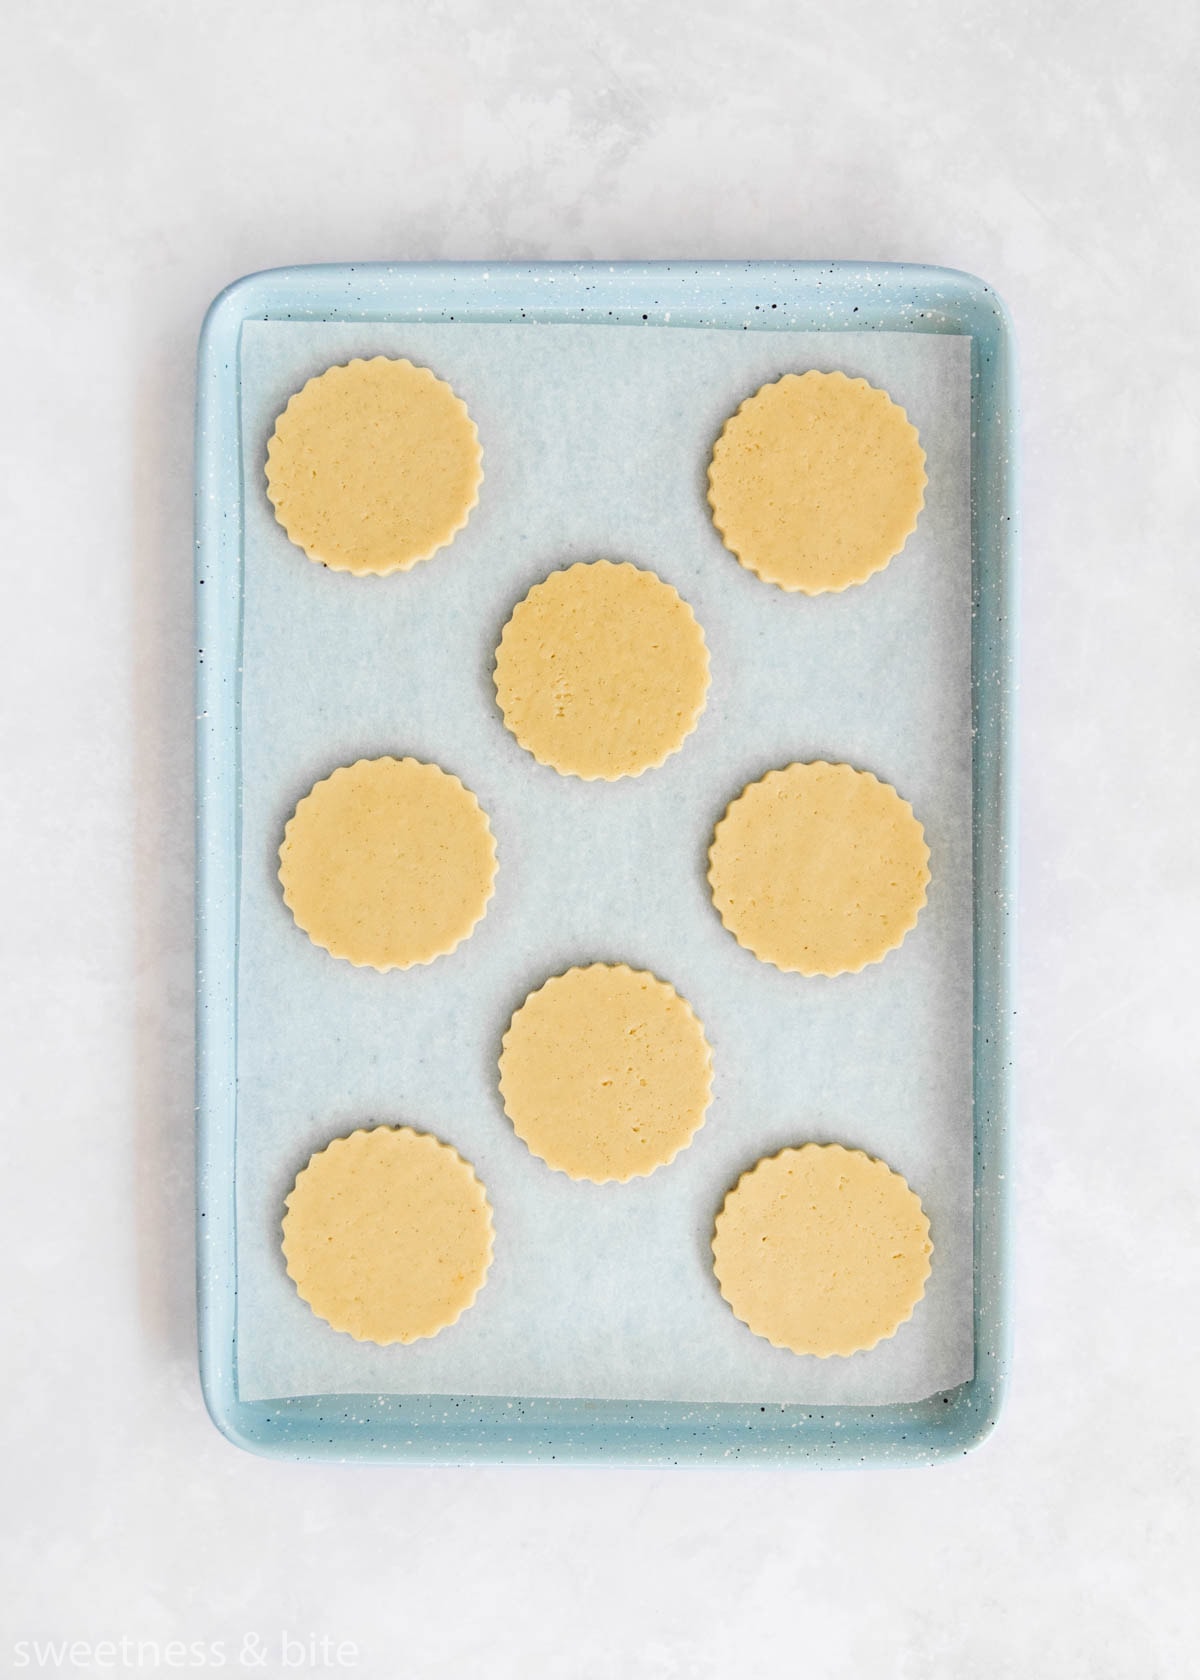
(758, 296)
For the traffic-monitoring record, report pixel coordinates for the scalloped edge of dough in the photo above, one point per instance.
(834, 1353)
(820, 973)
(365, 1131)
(407, 565)
(871, 570)
(417, 962)
(664, 986)
(599, 776)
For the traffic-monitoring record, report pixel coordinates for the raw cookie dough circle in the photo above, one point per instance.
(819, 869)
(817, 481)
(602, 671)
(374, 466)
(388, 1235)
(388, 863)
(605, 1073)
(822, 1250)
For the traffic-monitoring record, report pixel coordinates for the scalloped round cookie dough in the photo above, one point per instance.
(605, 1073)
(602, 671)
(819, 868)
(388, 863)
(388, 1235)
(817, 481)
(822, 1250)
(373, 466)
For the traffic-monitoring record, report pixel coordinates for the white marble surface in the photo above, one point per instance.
(151, 153)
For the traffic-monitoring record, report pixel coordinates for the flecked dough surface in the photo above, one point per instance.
(388, 863)
(605, 1073)
(374, 466)
(817, 481)
(388, 1235)
(602, 671)
(819, 868)
(822, 1250)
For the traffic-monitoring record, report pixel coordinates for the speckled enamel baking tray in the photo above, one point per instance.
(756, 297)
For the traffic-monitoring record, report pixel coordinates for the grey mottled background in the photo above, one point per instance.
(154, 152)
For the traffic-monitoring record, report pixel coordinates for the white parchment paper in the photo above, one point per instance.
(596, 442)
